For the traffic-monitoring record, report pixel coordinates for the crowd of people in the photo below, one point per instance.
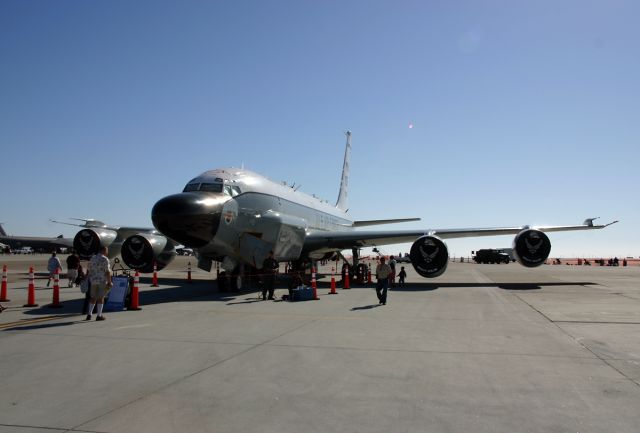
(97, 280)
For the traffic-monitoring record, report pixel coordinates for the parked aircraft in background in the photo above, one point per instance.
(235, 217)
(39, 244)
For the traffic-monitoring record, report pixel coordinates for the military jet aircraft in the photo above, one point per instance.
(235, 217)
(43, 244)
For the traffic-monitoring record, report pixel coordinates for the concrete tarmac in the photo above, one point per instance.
(484, 348)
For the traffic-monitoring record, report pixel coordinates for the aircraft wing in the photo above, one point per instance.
(95, 224)
(356, 238)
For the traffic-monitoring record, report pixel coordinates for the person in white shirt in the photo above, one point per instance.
(52, 265)
(100, 278)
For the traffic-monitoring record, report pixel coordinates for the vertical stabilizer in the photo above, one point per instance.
(343, 196)
(2, 232)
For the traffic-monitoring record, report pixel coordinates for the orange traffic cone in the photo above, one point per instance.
(189, 272)
(333, 283)
(346, 279)
(31, 297)
(56, 290)
(154, 281)
(3, 289)
(313, 278)
(134, 306)
(369, 278)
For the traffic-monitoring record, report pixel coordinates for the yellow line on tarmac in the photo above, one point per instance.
(28, 322)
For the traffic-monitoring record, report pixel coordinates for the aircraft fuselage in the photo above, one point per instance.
(240, 216)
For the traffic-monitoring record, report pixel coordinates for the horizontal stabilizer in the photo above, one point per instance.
(88, 223)
(365, 223)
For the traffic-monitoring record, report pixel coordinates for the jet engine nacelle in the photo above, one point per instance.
(531, 247)
(142, 250)
(87, 242)
(429, 256)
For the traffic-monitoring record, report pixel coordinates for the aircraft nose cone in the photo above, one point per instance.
(191, 219)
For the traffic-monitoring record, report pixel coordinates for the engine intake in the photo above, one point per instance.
(531, 247)
(142, 250)
(429, 256)
(87, 242)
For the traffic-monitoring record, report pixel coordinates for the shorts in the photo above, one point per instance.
(98, 290)
(72, 274)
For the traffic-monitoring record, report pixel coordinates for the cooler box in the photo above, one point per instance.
(302, 294)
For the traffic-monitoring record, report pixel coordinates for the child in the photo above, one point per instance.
(401, 276)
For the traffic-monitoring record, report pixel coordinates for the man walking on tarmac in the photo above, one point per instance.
(52, 265)
(382, 274)
(100, 277)
(269, 268)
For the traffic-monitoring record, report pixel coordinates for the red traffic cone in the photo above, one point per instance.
(369, 278)
(3, 289)
(134, 306)
(333, 283)
(31, 297)
(154, 281)
(346, 279)
(56, 290)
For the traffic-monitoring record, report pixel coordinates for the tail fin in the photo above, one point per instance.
(2, 232)
(343, 201)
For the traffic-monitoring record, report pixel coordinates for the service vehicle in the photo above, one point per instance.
(491, 256)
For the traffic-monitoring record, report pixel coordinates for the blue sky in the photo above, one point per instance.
(522, 112)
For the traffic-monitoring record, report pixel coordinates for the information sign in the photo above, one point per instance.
(115, 301)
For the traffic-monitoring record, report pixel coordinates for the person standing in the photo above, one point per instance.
(401, 276)
(73, 261)
(382, 274)
(100, 278)
(269, 268)
(392, 276)
(52, 265)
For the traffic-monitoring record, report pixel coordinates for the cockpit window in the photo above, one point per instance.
(191, 187)
(211, 187)
(227, 190)
(235, 191)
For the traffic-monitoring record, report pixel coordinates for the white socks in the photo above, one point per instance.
(100, 309)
